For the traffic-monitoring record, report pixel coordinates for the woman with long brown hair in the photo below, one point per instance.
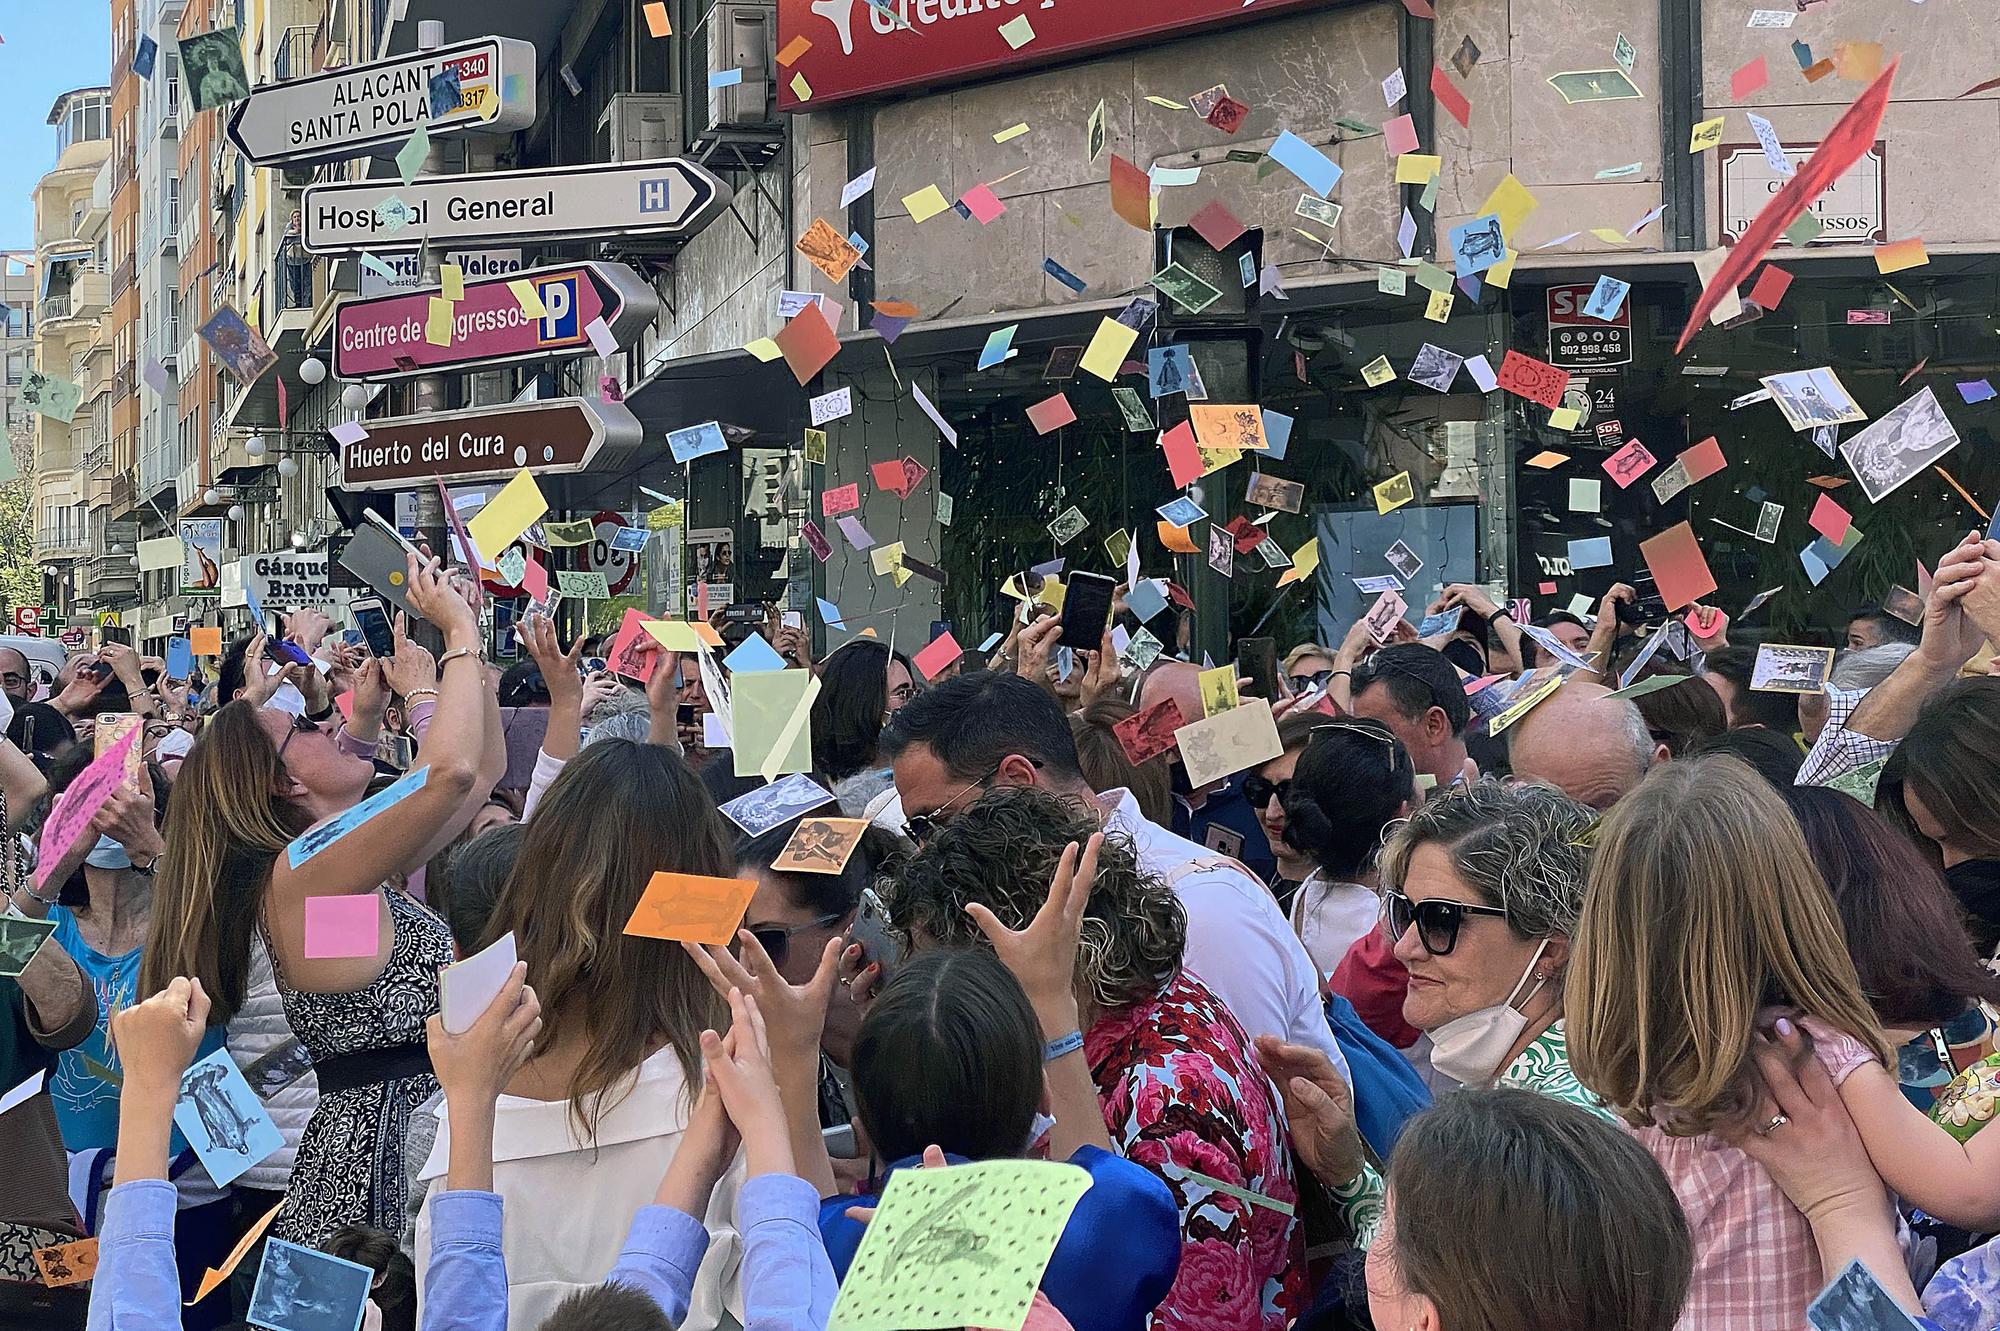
(253, 784)
(588, 1126)
(1705, 924)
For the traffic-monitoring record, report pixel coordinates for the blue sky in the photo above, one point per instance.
(49, 48)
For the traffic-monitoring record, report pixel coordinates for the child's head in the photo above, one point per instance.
(950, 1055)
(473, 873)
(607, 1307)
(1703, 906)
(395, 1287)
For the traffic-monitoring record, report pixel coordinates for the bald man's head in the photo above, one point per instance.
(1590, 746)
(1179, 680)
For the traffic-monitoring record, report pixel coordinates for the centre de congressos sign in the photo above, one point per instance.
(667, 196)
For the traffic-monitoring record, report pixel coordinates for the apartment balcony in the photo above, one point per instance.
(297, 54)
(89, 295)
(52, 547)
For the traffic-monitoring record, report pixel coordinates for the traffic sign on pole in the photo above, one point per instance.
(556, 437)
(384, 337)
(352, 112)
(667, 196)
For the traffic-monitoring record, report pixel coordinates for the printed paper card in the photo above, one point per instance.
(1228, 742)
(692, 908)
(223, 1120)
(303, 1289)
(319, 838)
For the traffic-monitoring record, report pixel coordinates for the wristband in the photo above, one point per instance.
(1062, 1044)
(1501, 613)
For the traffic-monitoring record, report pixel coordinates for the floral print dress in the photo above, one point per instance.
(1182, 1094)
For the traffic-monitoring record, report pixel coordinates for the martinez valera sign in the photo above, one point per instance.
(349, 112)
(861, 50)
(667, 196)
(384, 337)
(567, 434)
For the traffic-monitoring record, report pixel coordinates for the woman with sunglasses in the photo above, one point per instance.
(1264, 791)
(256, 782)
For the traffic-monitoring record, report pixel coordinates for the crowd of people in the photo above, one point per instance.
(1653, 1005)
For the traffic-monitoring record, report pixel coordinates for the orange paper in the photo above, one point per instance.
(67, 1263)
(214, 1276)
(808, 342)
(1131, 193)
(692, 908)
(1227, 426)
(656, 19)
(1703, 460)
(206, 639)
(1901, 254)
(794, 48)
(1175, 538)
(1680, 570)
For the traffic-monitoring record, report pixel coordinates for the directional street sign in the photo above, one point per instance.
(667, 196)
(351, 112)
(555, 437)
(384, 337)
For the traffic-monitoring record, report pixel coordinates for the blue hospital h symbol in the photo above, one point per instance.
(653, 196)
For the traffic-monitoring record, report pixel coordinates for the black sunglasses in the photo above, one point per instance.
(919, 828)
(1300, 683)
(776, 940)
(1437, 919)
(1259, 790)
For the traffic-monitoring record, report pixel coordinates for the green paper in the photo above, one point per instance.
(1361, 127)
(410, 157)
(761, 703)
(51, 395)
(1651, 684)
(961, 1246)
(1860, 783)
(582, 583)
(1432, 278)
(1805, 230)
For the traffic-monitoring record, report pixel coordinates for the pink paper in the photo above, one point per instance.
(944, 649)
(343, 926)
(840, 499)
(71, 816)
(1830, 519)
(889, 476)
(1051, 414)
(535, 579)
(629, 656)
(1399, 136)
(982, 203)
(1183, 457)
(1629, 463)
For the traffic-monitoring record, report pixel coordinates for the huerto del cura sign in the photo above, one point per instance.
(384, 337)
(567, 434)
(666, 196)
(349, 112)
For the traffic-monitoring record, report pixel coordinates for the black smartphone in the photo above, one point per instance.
(685, 714)
(373, 621)
(1086, 606)
(1257, 661)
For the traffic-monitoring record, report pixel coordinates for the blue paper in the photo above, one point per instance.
(1830, 554)
(256, 607)
(1816, 568)
(180, 658)
(998, 343)
(1306, 162)
(1182, 512)
(1471, 286)
(303, 1289)
(1246, 268)
(1168, 370)
(1978, 390)
(1592, 553)
(696, 441)
(856, 239)
(143, 57)
(992, 640)
(1442, 622)
(630, 538)
(1064, 276)
(1277, 433)
(1406, 234)
(222, 1120)
(753, 654)
(1477, 245)
(447, 90)
(727, 78)
(829, 614)
(319, 838)
(1145, 599)
(1606, 299)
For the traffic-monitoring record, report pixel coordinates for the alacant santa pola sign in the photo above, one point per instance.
(487, 84)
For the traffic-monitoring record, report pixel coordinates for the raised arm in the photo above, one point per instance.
(1950, 637)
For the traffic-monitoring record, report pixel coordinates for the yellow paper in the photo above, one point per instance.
(1228, 742)
(528, 298)
(506, 515)
(1009, 1213)
(761, 707)
(1167, 102)
(1378, 372)
(801, 89)
(1439, 308)
(925, 204)
(1305, 562)
(1500, 274)
(1417, 168)
(1011, 132)
(1393, 493)
(437, 327)
(1511, 202)
(1107, 349)
(886, 557)
(1564, 418)
(676, 635)
(764, 349)
(452, 278)
(1706, 135)
(1609, 236)
(1218, 689)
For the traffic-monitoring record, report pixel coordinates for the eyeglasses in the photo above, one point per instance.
(300, 726)
(12, 678)
(1259, 790)
(1300, 683)
(1437, 920)
(901, 694)
(776, 940)
(919, 828)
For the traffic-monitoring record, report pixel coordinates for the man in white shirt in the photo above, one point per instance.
(982, 730)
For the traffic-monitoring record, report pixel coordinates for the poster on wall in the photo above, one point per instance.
(712, 554)
(201, 560)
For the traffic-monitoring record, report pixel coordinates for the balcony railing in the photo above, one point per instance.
(55, 307)
(294, 58)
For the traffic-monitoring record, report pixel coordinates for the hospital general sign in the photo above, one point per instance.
(860, 48)
(385, 337)
(664, 197)
(368, 108)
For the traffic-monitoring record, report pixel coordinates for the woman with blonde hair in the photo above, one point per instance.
(1704, 913)
(587, 1127)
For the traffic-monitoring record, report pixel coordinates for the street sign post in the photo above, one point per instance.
(556, 437)
(384, 337)
(667, 196)
(353, 112)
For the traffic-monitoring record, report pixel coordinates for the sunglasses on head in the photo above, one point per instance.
(1436, 919)
(776, 939)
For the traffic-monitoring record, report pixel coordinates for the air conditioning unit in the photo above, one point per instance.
(641, 126)
(736, 36)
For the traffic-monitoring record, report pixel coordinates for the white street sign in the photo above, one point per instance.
(664, 197)
(352, 112)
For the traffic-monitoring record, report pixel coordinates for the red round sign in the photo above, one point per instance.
(28, 620)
